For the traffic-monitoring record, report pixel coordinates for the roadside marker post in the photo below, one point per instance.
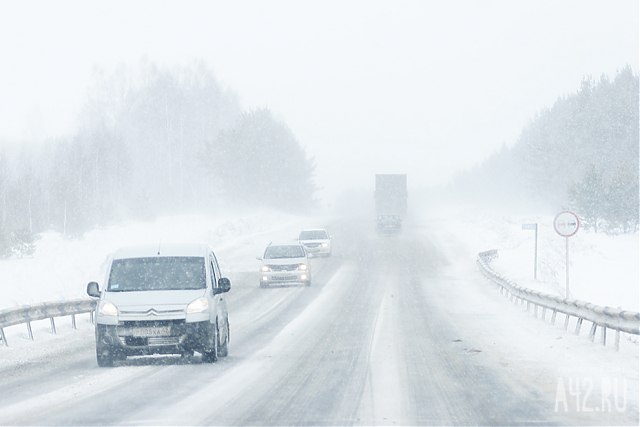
(535, 252)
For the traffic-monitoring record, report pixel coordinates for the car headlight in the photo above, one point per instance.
(265, 268)
(198, 306)
(107, 309)
(302, 267)
(325, 245)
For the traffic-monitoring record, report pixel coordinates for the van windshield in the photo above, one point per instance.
(157, 274)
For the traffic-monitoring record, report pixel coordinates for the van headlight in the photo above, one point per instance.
(302, 267)
(325, 245)
(107, 309)
(198, 306)
(265, 268)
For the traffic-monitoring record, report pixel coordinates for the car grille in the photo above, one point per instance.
(151, 341)
(152, 323)
(312, 245)
(291, 267)
(151, 312)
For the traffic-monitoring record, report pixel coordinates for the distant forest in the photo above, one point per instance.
(580, 154)
(150, 141)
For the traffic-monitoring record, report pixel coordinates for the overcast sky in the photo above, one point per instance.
(423, 87)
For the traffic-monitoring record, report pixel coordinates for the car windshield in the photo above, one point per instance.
(157, 274)
(313, 235)
(287, 251)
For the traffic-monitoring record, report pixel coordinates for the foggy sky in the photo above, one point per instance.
(423, 87)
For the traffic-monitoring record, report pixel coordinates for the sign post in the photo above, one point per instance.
(535, 252)
(566, 224)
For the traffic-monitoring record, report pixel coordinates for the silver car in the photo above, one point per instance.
(316, 241)
(285, 264)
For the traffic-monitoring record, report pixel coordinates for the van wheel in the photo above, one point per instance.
(211, 356)
(223, 348)
(104, 360)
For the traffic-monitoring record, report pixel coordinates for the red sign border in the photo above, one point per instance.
(577, 221)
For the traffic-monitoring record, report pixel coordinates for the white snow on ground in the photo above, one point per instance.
(532, 350)
(603, 269)
(61, 267)
(230, 386)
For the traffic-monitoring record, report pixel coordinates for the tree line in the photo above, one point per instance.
(149, 141)
(580, 154)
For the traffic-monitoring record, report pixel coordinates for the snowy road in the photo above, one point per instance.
(396, 330)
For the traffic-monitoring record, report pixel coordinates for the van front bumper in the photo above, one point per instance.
(154, 337)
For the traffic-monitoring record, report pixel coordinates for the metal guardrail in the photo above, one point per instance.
(48, 310)
(603, 317)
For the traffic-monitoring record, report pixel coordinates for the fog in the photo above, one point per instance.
(355, 171)
(424, 88)
(133, 111)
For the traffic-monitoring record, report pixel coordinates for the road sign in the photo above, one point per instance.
(566, 224)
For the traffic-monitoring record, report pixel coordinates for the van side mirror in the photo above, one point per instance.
(224, 285)
(93, 289)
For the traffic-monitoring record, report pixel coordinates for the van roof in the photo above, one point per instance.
(162, 250)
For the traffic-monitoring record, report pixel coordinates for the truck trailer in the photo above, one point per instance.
(391, 201)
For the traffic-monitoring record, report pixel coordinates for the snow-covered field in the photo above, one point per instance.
(61, 268)
(466, 321)
(603, 269)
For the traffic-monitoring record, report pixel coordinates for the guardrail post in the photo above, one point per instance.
(617, 339)
(566, 323)
(544, 313)
(604, 335)
(535, 310)
(3, 338)
(592, 332)
(30, 331)
(528, 305)
(578, 325)
(553, 317)
(73, 321)
(53, 325)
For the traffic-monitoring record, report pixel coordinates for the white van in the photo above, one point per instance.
(166, 299)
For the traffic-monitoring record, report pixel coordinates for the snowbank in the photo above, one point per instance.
(603, 269)
(61, 267)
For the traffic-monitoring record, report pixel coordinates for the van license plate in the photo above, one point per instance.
(162, 331)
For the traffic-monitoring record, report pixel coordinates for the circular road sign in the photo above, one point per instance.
(566, 224)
